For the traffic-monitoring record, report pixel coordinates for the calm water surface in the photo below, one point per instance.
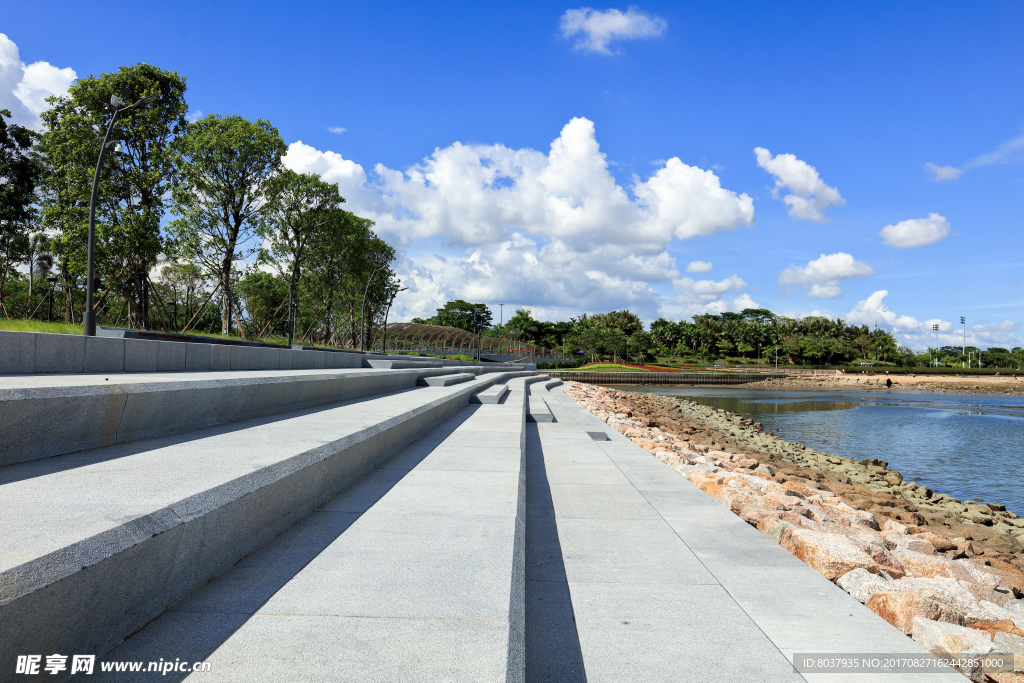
(965, 445)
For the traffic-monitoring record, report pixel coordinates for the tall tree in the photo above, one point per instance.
(298, 206)
(222, 168)
(134, 185)
(19, 174)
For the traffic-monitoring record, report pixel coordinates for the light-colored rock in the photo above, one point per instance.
(909, 543)
(901, 607)
(831, 555)
(973, 572)
(862, 584)
(940, 543)
(891, 526)
(1015, 606)
(1006, 642)
(957, 642)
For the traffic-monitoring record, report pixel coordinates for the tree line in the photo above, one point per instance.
(199, 227)
(750, 335)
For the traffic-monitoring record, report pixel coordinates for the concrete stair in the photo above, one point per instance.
(395, 523)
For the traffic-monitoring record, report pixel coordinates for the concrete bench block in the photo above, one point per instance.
(104, 354)
(60, 352)
(197, 357)
(446, 380)
(302, 360)
(402, 364)
(170, 356)
(140, 355)
(494, 394)
(17, 352)
(220, 357)
(552, 384)
(239, 358)
(539, 411)
(320, 359)
(273, 360)
(257, 358)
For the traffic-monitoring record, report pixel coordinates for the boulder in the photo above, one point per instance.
(776, 529)
(999, 626)
(734, 497)
(831, 555)
(908, 542)
(891, 526)
(901, 607)
(940, 543)
(1007, 642)
(1015, 606)
(954, 641)
(994, 612)
(862, 584)
(1011, 578)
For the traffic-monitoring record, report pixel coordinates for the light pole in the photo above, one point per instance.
(362, 311)
(935, 329)
(963, 348)
(89, 316)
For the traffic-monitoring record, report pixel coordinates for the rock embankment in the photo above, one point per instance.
(948, 573)
(987, 384)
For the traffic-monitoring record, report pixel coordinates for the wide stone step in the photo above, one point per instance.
(414, 573)
(491, 395)
(446, 380)
(46, 415)
(97, 544)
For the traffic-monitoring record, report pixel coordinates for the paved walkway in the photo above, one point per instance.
(668, 585)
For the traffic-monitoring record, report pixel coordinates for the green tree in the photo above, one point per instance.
(19, 172)
(298, 206)
(222, 168)
(135, 184)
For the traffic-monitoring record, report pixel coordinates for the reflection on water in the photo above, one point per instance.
(968, 446)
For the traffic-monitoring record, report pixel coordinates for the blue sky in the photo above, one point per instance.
(571, 159)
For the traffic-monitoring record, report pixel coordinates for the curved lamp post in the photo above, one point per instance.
(89, 316)
(362, 311)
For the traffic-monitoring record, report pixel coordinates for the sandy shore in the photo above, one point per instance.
(948, 573)
(940, 383)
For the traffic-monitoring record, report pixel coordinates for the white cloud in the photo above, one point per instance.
(916, 232)
(919, 335)
(598, 28)
(822, 277)
(338, 130)
(25, 87)
(940, 173)
(492, 223)
(699, 267)
(194, 115)
(1009, 151)
(707, 296)
(809, 197)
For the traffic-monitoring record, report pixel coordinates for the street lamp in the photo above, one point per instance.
(362, 311)
(963, 348)
(935, 329)
(89, 317)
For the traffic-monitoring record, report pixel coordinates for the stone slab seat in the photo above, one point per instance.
(552, 384)
(539, 411)
(491, 395)
(47, 415)
(401, 364)
(414, 573)
(96, 544)
(447, 380)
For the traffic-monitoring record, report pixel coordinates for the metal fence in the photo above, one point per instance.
(679, 378)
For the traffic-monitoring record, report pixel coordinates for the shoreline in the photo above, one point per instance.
(924, 561)
(933, 383)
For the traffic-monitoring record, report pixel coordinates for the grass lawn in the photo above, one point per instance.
(21, 325)
(610, 367)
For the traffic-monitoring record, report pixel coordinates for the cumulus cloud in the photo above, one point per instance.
(337, 130)
(707, 296)
(822, 277)
(699, 267)
(808, 196)
(916, 232)
(597, 28)
(919, 335)
(25, 87)
(492, 223)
